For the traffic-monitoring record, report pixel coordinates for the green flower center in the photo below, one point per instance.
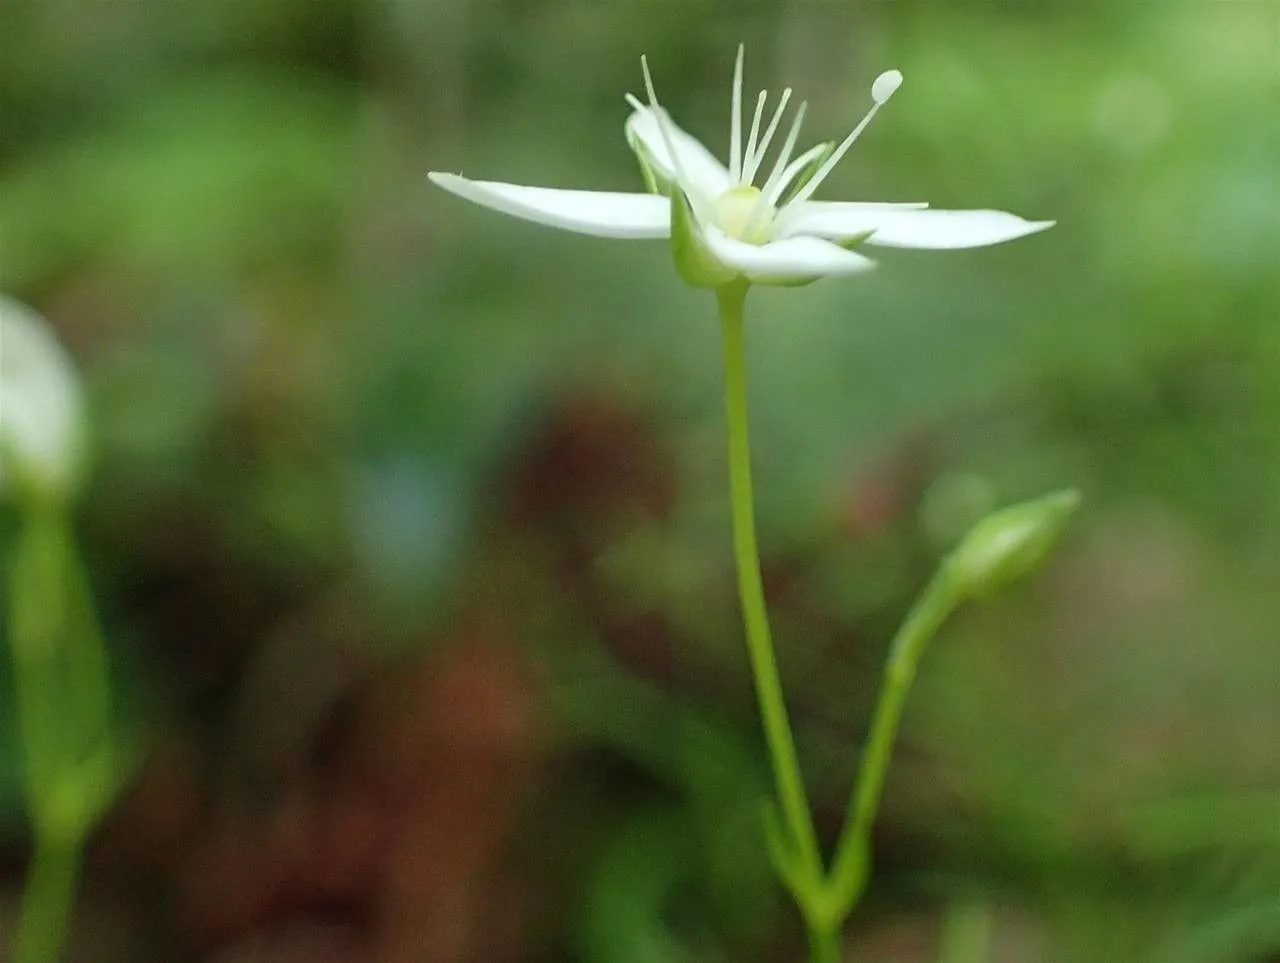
(744, 214)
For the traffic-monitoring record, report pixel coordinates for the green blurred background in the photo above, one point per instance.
(409, 523)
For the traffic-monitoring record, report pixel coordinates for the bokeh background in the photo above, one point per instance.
(409, 524)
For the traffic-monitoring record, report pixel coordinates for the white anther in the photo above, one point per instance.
(886, 85)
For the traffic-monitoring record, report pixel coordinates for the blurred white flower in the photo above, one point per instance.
(41, 410)
(723, 227)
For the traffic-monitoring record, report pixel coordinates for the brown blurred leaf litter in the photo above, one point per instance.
(365, 810)
(390, 846)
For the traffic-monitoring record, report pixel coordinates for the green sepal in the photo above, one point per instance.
(652, 182)
(694, 261)
(855, 241)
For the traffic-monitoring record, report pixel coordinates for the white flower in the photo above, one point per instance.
(723, 227)
(41, 418)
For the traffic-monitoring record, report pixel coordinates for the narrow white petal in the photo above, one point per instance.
(792, 258)
(836, 220)
(708, 177)
(600, 213)
(949, 230)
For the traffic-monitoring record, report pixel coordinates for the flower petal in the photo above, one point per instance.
(836, 220)
(795, 258)
(937, 230)
(949, 230)
(708, 177)
(600, 213)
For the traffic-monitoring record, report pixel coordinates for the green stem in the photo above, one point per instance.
(47, 900)
(764, 667)
(852, 859)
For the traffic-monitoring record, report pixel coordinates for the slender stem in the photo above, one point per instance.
(852, 859)
(47, 900)
(764, 668)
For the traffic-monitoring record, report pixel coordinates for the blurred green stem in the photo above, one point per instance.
(853, 851)
(47, 900)
(62, 689)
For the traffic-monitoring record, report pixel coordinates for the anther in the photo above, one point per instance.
(886, 85)
(881, 90)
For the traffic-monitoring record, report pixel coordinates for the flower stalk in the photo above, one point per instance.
(800, 843)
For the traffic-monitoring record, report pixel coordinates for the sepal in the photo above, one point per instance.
(694, 261)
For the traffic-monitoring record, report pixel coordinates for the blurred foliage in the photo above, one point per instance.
(343, 418)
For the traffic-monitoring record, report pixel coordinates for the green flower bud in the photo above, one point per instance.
(1010, 543)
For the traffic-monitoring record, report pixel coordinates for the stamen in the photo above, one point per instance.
(787, 147)
(881, 90)
(735, 121)
(751, 140)
(794, 169)
(753, 163)
(659, 116)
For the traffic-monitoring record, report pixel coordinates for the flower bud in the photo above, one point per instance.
(41, 410)
(1010, 543)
